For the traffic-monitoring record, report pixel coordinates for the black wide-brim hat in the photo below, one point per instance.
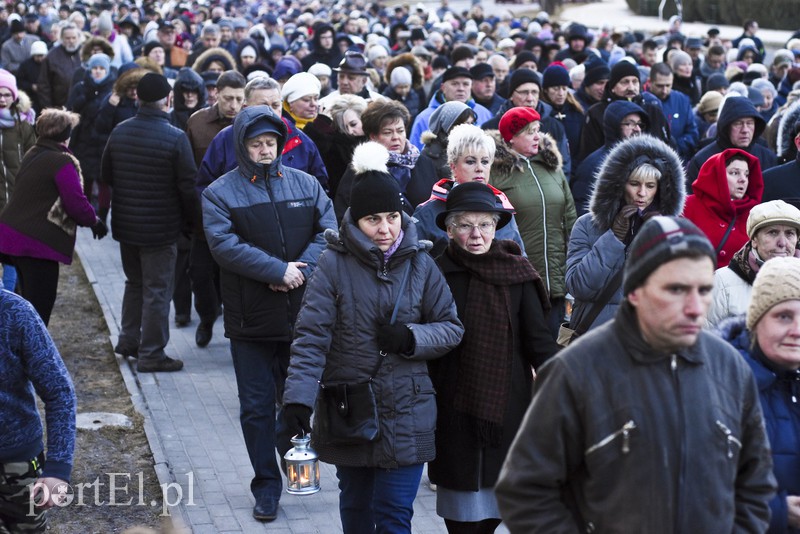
(475, 197)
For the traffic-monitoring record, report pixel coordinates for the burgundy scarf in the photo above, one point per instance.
(483, 383)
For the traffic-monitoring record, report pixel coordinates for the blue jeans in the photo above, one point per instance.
(260, 368)
(377, 500)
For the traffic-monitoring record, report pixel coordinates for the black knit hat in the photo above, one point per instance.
(456, 72)
(374, 189)
(621, 70)
(520, 76)
(555, 76)
(660, 240)
(596, 70)
(152, 87)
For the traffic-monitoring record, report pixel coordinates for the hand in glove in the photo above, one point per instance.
(297, 420)
(395, 338)
(99, 230)
(622, 222)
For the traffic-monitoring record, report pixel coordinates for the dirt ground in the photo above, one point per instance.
(81, 335)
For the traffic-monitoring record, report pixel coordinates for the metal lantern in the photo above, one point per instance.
(302, 467)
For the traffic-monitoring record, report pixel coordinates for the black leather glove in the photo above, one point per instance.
(622, 222)
(99, 230)
(395, 338)
(297, 420)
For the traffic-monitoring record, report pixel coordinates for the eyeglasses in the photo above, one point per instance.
(6, 95)
(633, 124)
(485, 228)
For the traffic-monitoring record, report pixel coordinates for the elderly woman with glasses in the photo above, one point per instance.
(528, 169)
(470, 154)
(484, 385)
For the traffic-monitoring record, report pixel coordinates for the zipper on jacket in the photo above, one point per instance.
(5, 170)
(544, 226)
(280, 233)
(625, 432)
(729, 437)
(682, 423)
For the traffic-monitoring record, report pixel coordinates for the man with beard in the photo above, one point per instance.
(623, 84)
(55, 77)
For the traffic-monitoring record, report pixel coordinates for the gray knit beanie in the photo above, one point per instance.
(660, 240)
(445, 116)
(777, 281)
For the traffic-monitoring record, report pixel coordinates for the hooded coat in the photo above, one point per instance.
(592, 133)
(421, 123)
(256, 219)
(415, 101)
(786, 149)
(545, 211)
(214, 54)
(187, 80)
(733, 108)
(711, 207)
(582, 181)
(330, 57)
(352, 291)
(595, 255)
(109, 116)
(781, 419)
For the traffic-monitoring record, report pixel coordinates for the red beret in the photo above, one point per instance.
(515, 119)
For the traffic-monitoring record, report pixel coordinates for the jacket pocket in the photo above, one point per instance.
(611, 446)
(424, 404)
(732, 444)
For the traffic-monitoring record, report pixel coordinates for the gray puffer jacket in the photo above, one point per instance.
(350, 294)
(594, 254)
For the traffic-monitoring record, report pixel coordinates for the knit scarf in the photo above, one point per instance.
(298, 122)
(6, 118)
(401, 163)
(486, 353)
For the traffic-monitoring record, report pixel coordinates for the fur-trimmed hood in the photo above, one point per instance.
(129, 80)
(786, 149)
(608, 195)
(214, 54)
(506, 160)
(149, 64)
(406, 60)
(96, 41)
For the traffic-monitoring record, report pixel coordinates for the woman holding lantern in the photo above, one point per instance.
(375, 310)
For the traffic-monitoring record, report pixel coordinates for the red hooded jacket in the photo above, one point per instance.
(712, 209)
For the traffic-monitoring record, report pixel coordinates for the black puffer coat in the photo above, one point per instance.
(86, 142)
(149, 165)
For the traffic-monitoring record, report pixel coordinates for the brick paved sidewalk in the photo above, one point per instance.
(192, 424)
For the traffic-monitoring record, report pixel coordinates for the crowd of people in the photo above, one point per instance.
(419, 203)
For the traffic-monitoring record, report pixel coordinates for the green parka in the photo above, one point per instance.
(545, 211)
(14, 142)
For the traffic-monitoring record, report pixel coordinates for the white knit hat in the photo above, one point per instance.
(772, 212)
(777, 281)
(320, 69)
(300, 85)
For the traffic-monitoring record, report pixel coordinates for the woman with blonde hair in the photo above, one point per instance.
(37, 228)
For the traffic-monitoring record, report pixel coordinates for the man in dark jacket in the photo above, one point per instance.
(739, 126)
(58, 67)
(667, 422)
(201, 129)
(783, 182)
(484, 88)
(677, 109)
(148, 164)
(624, 84)
(324, 51)
(264, 224)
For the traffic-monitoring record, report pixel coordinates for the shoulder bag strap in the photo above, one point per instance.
(727, 234)
(600, 303)
(394, 311)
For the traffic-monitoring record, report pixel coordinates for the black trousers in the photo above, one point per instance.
(38, 280)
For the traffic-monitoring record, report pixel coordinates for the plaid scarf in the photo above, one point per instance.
(483, 384)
